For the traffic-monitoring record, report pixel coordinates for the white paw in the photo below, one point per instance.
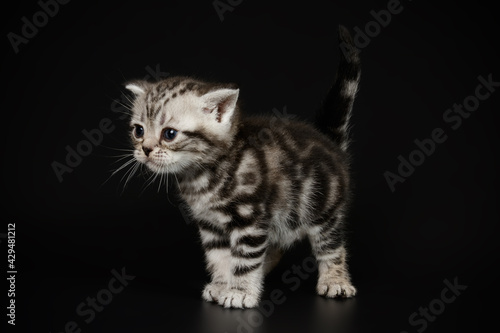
(229, 297)
(234, 298)
(340, 288)
(212, 291)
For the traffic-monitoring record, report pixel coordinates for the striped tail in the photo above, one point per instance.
(333, 118)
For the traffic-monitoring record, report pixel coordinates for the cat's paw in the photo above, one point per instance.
(212, 291)
(335, 288)
(235, 298)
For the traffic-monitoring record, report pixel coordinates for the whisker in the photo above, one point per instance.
(128, 107)
(121, 157)
(149, 181)
(128, 99)
(178, 185)
(114, 172)
(127, 113)
(159, 183)
(167, 177)
(132, 170)
(118, 149)
(124, 165)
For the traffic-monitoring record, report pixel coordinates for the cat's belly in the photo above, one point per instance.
(280, 234)
(283, 237)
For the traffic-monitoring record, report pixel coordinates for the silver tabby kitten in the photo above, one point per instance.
(252, 199)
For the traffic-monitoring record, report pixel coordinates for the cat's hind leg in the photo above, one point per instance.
(328, 247)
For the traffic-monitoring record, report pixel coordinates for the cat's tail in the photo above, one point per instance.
(333, 118)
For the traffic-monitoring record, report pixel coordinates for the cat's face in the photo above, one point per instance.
(180, 122)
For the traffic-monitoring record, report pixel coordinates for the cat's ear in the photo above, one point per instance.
(220, 103)
(137, 87)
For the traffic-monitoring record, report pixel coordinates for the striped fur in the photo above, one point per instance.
(252, 200)
(341, 96)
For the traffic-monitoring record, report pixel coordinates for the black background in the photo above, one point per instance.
(441, 223)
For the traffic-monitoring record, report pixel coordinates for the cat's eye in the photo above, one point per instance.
(169, 134)
(138, 131)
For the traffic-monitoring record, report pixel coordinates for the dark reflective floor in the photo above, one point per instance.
(77, 297)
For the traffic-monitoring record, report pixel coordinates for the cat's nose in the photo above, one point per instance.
(147, 150)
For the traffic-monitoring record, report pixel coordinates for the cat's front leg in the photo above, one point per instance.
(236, 265)
(218, 258)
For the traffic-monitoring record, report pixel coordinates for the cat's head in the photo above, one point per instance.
(180, 122)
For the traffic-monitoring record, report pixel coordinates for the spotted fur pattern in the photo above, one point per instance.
(252, 199)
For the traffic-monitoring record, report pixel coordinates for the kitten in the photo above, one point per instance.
(252, 199)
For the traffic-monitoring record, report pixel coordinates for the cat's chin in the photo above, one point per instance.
(159, 167)
(163, 167)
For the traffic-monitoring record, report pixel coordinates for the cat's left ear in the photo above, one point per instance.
(137, 87)
(221, 104)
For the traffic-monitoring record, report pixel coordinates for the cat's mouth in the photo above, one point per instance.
(158, 165)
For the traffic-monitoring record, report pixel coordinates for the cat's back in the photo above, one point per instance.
(292, 155)
(290, 140)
